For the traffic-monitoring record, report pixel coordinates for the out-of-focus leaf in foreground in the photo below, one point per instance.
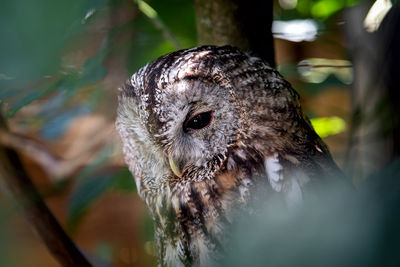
(92, 183)
(326, 126)
(34, 34)
(337, 227)
(92, 71)
(88, 190)
(91, 188)
(161, 27)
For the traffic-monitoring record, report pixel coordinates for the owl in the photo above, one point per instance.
(205, 132)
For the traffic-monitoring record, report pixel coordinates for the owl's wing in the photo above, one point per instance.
(291, 179)
(289, 183)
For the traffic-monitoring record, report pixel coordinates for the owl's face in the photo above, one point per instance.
(198, 121)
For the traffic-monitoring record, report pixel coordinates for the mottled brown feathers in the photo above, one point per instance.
(258, 140)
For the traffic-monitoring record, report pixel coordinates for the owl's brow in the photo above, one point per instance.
(191, 104)
(191, 109)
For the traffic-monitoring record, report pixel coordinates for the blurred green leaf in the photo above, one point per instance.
(146, 46)
(147, 228)
(303, 7)
(344, 227)
(92, 185)
(95, 97)
(32, 96)
(90, 8)
(123, 181)
(147, 9)
(320, 9)
(158, 23)
(150, 41)
(9, 92)
(325, 8)
(326, 126)
(88, 190)
(5, 77)
(34, 34)
(93, 70)
(179, 17)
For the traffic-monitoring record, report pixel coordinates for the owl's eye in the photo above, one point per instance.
(198, 121)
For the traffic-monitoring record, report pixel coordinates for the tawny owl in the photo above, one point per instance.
(202, 130)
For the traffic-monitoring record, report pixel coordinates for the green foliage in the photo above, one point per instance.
(92, 71)
(327, 126)
(147, 229)
(335, 226)
(92, 182)
(34, 34)
(86, 191)
(319, 9)
(162, 27)
(123, 181)
(30, 97)
(93, 185)
(37, 37)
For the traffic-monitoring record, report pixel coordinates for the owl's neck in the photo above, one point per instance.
(192, 218)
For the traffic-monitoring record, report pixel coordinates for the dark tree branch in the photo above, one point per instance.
(16, 182)
(245, 24)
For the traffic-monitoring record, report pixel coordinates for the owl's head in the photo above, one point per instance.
(182, 114)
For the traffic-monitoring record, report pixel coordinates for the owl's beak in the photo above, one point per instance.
(175, 166)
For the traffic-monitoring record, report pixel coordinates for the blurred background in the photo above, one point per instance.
(62, 61)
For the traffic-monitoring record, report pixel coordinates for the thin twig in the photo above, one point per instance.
(149, 12)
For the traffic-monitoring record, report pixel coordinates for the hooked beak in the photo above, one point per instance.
(176, 166)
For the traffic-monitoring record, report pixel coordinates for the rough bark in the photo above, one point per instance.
(245, 24)
(375, 137)
(16, 182)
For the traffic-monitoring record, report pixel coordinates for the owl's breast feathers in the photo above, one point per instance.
(194, 217)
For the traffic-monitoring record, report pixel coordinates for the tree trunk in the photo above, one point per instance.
(245, 24)
(375, 137)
